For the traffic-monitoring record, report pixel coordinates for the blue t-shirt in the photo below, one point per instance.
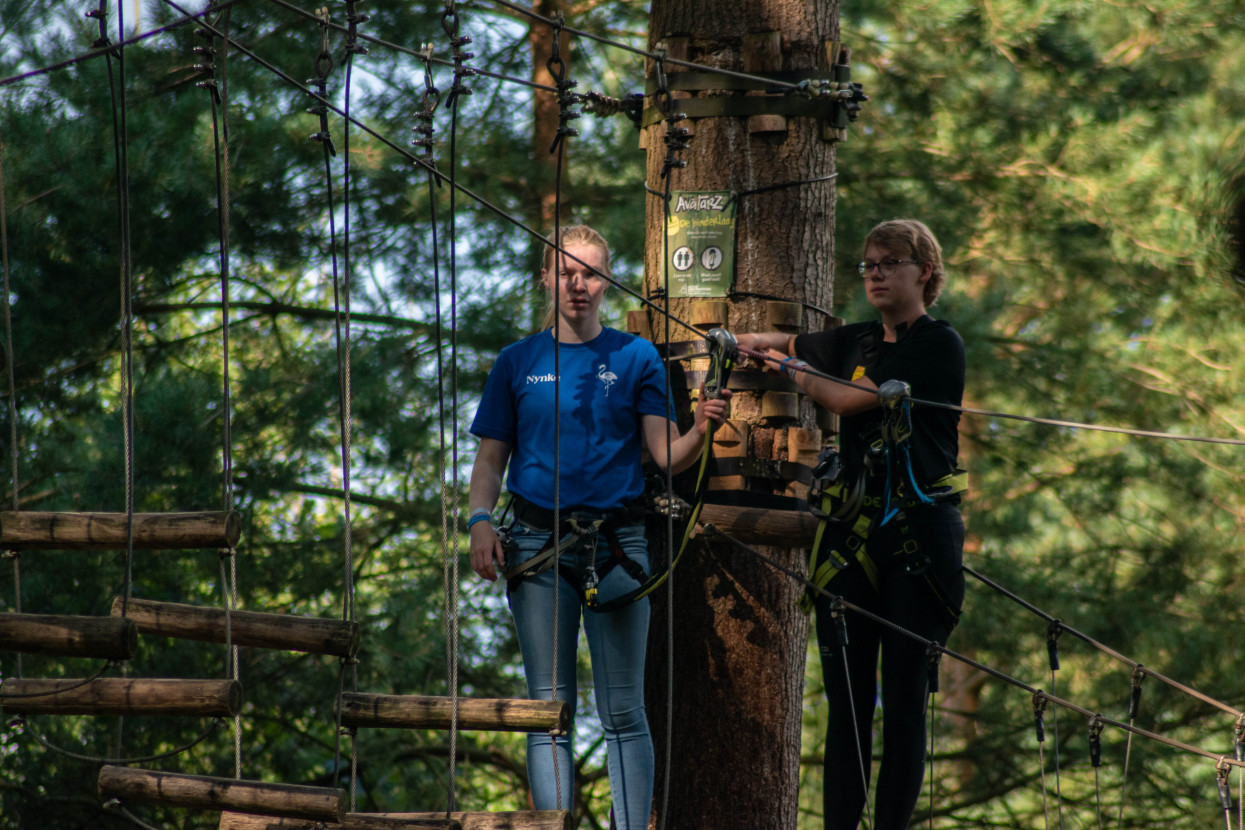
(607, 385)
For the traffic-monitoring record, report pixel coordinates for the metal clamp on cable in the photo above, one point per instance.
(723, 352)
(1095, 740)
(933, 655)
(1039, 715)
(892, 393)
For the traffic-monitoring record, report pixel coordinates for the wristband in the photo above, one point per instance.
(478, 515)
(790, 370)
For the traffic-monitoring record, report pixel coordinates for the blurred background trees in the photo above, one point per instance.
(1076, 159)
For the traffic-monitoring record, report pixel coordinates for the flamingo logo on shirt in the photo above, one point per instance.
(607, 377)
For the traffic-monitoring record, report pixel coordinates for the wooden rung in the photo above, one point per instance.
(422, 712)
(522, 820)
(352, 821)
(121, 696)
(65, 636)
(24, 530)
(311, 635)
(205, 793)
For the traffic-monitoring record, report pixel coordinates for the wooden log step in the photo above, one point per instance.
(311, 635)
(352, 821)
(65, 636)
(28, 530)
(121, 696)
(205, 793)
(424, 712)
(519, 820)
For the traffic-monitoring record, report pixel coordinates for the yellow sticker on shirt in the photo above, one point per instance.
(858, 373)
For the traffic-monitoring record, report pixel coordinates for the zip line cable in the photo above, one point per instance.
(671, 318)
(456, 186)
(800, 366)
(187, 17)
(10, 375)
(665, 103)
(424, 132)
(1138, 668)
(712, 531)
(645, 301)
(656, 56)
(519, 224)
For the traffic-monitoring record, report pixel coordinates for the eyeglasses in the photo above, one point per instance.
(886, 267)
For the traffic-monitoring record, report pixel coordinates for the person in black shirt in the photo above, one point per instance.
(894, 541)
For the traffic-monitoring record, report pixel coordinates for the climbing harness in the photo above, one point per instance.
(583, 530)
(838, 496)
(586, 528)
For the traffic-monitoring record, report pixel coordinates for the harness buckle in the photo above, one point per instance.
(591, 581)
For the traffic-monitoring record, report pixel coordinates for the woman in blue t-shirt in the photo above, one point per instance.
(568, 410)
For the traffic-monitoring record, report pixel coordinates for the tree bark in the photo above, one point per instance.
(736, 636)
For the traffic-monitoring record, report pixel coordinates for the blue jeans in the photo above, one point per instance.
(617, 641)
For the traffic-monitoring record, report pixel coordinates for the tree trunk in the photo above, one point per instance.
(738, 640)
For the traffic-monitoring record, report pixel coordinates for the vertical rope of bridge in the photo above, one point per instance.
(116, 85)
(424, 131)
(341, 337)
(10, 374)
(354, 18)
(556, 67)
(1134, 702)
(458, 90)
(217, 86)
(932, 656)
(1052, 647)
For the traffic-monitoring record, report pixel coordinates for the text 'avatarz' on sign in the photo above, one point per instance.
(700, 243)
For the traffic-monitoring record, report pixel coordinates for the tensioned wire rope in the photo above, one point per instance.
(519, 224)
(219, 97)
(555, 584)
(451, 25)
(710, 530)
(448, 497)
(342, 289)
(644, 300)
(666, 104)
(974, 411)
(120, 152)
(1056, 626)
(1069, 424)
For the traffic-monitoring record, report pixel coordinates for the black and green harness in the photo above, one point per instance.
(837, 497)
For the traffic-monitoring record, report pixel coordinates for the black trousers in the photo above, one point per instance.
(851, 672)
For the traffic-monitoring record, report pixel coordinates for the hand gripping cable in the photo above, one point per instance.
(723, 352)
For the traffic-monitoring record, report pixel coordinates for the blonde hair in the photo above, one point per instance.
(570, 235)
(912, 237)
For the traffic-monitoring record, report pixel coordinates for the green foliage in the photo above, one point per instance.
(1076, 160)
(421, 338)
